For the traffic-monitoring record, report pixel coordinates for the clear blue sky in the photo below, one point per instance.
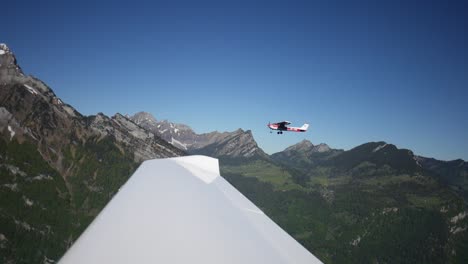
(357, 71)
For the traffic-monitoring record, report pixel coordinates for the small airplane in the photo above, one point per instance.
(282, 126)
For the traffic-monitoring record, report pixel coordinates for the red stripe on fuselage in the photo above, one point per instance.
(294, 129)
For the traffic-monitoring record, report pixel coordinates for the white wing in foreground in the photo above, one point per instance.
(180, 210)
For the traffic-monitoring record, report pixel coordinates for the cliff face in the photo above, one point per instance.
(58, 167)
(236, 144)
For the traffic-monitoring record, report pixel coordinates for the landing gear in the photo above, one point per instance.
(279, 132)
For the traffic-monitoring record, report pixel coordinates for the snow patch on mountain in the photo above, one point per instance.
(12, 132)
(380, 147)
(4, 47)
(178, 144)
(30, 89)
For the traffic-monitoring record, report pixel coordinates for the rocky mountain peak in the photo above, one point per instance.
(179, 135)
(34, 105)
(245, 135)
(238, 131)
(304, 145)
(322, 147)
(236, 144)
(76, 161)
(8, 63)
(148, 121)
(380, 154)
(4, 48)
(306, 142)
(307, 146)
(11, 73)
(143, 117)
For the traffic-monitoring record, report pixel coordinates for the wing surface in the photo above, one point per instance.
(284, 123)
(180, 210)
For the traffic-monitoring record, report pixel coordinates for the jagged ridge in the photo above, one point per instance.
(61, 166)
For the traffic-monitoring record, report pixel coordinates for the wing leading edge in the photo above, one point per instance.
(180, 210)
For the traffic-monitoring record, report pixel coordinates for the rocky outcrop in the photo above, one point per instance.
(59, 167)
(236, 144)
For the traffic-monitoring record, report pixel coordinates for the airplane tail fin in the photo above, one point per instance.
(304, 127)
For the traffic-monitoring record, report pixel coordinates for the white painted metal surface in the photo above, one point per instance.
(180, 210)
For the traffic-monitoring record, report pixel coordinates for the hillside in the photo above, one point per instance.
(58, 168)
(372, 204)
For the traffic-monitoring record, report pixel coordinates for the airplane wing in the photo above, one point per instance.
(180, 210)
(284, 123)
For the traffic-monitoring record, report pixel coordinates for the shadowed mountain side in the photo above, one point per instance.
(453, 173)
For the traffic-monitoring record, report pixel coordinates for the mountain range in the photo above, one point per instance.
(58, 168)
(375, 203)
(236, 144)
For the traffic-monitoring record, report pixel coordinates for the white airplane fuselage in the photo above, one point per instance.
(282, 127)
